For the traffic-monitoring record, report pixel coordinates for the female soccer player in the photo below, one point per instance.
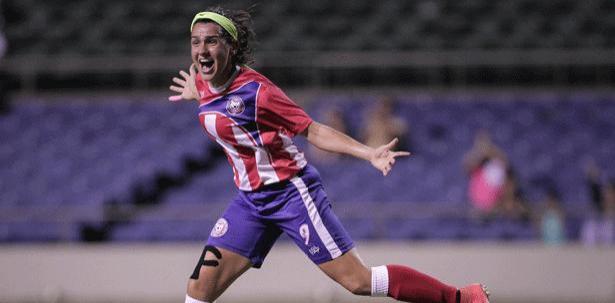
(254, 122)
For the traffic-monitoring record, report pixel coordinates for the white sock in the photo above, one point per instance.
(380, 281)
(190, 299)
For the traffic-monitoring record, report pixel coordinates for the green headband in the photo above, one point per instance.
(225, 22)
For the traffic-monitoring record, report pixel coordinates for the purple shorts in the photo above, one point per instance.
(299, 207)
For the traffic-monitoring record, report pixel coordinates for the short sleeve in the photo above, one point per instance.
(276, 110)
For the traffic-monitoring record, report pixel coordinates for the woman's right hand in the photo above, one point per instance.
(186, 88)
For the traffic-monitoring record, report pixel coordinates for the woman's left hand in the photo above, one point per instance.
(186, 88)
(383, 158)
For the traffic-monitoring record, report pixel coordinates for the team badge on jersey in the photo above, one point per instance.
(235, 105)
(220, 228)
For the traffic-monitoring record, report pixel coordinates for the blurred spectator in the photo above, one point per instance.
(382, 126)
(333, 117)
(487, 168)
(601, 228)
(513, 204)
(553, 220)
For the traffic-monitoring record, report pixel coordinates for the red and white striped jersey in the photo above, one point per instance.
(254, 122)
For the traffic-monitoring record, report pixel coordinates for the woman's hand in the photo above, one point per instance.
(383, 158)
(186, 88)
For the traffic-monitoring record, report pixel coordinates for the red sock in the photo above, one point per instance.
(409, 285)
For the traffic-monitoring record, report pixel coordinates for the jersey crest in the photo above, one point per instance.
(235, 105)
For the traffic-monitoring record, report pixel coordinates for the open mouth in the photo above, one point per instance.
(206, 64)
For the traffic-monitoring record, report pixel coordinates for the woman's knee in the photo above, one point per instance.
(357, 282)
(350, 272)
(204, 282)
(215, 271)
(204, 287)
(358, 286)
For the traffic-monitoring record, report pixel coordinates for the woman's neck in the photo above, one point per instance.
(232, 73)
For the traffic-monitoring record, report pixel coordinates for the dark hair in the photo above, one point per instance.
(245, 35)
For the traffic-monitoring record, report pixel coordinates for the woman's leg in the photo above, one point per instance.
(315, 228)
(350, 272)
(399, 282)
(239, 240)
(215, 272)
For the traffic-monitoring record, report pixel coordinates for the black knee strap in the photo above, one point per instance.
(213, 250)
(203, 262)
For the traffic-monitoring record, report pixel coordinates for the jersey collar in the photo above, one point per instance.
(226, 85)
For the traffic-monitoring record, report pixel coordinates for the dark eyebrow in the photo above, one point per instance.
(211, 36)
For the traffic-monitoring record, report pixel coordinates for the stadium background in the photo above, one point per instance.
(106, 189)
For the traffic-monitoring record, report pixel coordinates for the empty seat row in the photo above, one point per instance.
(158, 27)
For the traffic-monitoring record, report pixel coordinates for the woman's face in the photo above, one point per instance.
(210, 53)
